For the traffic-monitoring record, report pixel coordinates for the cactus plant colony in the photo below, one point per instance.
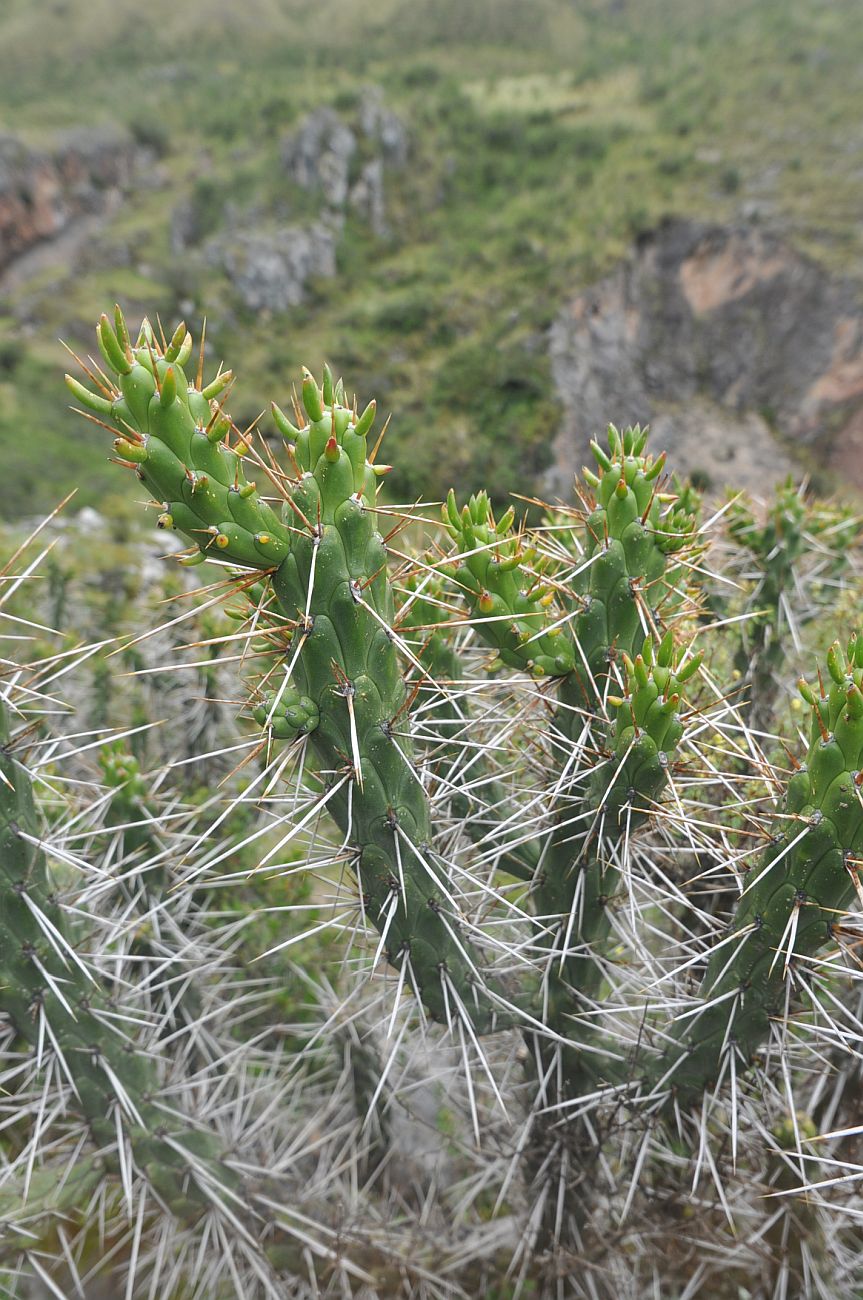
(590, 904)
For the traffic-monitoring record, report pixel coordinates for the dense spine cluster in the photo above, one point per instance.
(783, 596)
(51, 998)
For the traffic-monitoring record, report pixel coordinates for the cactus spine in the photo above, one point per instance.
(784, 596)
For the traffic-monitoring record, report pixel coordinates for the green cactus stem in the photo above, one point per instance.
(792, 906)
(622, 792)
(326, 569)
(573, 613)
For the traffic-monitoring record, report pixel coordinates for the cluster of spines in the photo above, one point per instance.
(456, 751)
(51, 996)
(783, 549)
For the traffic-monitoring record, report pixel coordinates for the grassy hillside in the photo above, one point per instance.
(543, 137)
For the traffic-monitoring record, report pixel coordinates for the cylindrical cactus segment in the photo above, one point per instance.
(334, 586)
(327, 565)
(606, 582)
(626, 580)
(623, 790)
(574, 601)
(47, 984)
(177, 436)
(793, 904)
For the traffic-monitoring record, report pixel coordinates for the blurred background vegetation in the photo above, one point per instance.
(486, 161)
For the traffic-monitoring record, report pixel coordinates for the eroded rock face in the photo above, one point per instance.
(318, 155)
(733, 320)
(271, 269)
(346, 159)
(341, 160)
(42, 193)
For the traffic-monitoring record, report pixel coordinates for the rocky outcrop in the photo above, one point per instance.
(271, 269)
(343, 162)
(383, 128)
(318, 155)
(42, 193)
(346, 160)
(724, 335)
(367, 197)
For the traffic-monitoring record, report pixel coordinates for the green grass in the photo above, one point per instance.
(542, 142)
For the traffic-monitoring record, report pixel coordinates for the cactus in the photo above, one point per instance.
(49, 990)
(325, 563)
(800, 887)
(575, 620)
(585, 634)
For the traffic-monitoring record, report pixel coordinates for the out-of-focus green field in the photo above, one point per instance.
(544, 136)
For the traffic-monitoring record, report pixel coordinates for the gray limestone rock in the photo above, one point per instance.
(367, 197)
(271, 269)
(318, 155)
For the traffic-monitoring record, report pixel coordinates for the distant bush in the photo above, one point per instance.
(11, 354)
(275, 112)
(405, 314)
(421, 74)
(151, 134)
(729, 181)
(493, 416)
